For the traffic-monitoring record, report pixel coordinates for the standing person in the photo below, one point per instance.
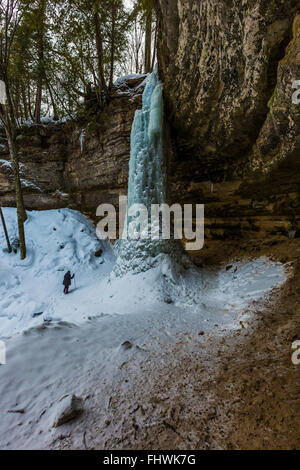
(67, 281)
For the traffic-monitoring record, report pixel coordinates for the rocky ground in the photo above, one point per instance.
(209, 391)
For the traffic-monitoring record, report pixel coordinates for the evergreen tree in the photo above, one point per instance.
(11, 12)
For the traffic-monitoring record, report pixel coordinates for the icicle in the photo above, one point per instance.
(81, 139)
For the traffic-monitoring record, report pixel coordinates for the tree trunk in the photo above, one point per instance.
(39, 91)
(38, 102)
(55, 113)
(41, 65)
(137, 48)
(112, 51)
(100, 72)
(29, 103)
(5, 231)
(24, 99)
(154, 48)
(18, 188)
(148, 38)
(9, 118)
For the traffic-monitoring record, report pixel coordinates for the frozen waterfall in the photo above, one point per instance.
(146, 184)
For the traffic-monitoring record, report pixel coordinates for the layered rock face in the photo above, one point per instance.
(279, 137)
(75, 164)
(228, 69)
(42, 156)
(96, 170)
(218, 60)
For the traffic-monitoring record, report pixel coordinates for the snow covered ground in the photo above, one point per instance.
(31, 291)
(73, 344)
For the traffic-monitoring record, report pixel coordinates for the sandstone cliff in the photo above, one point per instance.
(219, 60)
(228, 68)
(75, 164)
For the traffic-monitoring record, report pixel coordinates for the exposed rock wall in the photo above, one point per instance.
(98, 172)
(42, 156)
(75, 164)
(279, 137)
(218, 60)
(228, 68)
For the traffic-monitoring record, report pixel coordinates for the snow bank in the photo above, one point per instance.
(123, 80)
(61, 359)
(45, 120)
(74, 344)
(126, 85)
(31, 290)
(58, 240)
(215, 296)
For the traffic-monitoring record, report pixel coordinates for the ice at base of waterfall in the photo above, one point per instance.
(81, 343)
(31, 291)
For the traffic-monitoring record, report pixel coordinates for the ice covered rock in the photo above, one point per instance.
(126, 345)
(66, 409)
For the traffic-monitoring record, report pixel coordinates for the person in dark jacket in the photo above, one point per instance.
(67, 281)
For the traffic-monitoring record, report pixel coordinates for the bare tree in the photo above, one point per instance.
(41, 14)
(112, 48)
(148, 35)
(154, 52)
(99, 47)
(133, 61)
(10, 17)
(5, 231)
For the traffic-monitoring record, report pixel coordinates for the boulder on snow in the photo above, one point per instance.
(67, 408)
(37, 314)
(126, 345)
(15, 245)
(98, 253)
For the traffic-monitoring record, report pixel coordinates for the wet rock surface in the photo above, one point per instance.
(219, 64)
(211, 391)
(75, 164)
(228, 70)
(66, 409)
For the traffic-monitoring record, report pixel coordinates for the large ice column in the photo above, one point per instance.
(146, 183)
(147, 178)
(147, 186)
